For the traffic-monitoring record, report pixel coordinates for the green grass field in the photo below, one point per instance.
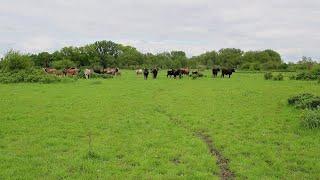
(157, 129)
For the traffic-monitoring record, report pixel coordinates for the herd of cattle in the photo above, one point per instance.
(175, 73)
(184, 71)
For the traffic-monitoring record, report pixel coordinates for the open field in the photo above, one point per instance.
(130, 128)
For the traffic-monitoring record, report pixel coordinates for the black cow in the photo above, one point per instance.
(177, 73)
(145, 73)
(227, 72)
(215, 71)
(154, 71)
(174, 73)
(170, 73)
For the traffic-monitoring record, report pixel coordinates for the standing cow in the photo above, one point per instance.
(215, 72)
(71, 71)
(154, 71)
(139, 72)
(185, 71)
(170, 73)
(88, 73)
(146, 73)
(50, 70)
(228, 72)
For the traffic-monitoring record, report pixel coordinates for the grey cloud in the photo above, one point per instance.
(195, 26)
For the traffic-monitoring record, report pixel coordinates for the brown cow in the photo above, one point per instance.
(50, 70)
(112, 71)
(71, 71)
(184, 71)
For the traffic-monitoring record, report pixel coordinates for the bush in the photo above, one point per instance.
(306, 75)
(278, 77)
(292, 77)
(305, 101)
(15, 61)
(28, 76)
(311, 119)
(268, 75)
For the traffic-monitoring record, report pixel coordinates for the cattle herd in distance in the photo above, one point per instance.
(171, 73)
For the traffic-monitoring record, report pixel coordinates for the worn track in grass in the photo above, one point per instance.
(222, 162)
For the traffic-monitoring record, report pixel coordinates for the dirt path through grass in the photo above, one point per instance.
(221, 161)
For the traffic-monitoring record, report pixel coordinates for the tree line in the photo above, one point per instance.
(102, 54)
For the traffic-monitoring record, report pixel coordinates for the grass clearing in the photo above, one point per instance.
(126, 127)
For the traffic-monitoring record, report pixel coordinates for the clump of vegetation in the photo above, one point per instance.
(305, 101)
(278, 77)
(15, 61)
(62, 64)
(18, 68)
(311, 119)
(292, 77)
(268, 76)
(306, 75)
(28, 76)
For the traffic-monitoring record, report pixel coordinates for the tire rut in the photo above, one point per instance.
(221, 161)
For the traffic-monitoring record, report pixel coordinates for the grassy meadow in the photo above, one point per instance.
(127, 127)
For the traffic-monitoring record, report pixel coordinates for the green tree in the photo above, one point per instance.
(62, 64)
(15, 61)
(229, 57)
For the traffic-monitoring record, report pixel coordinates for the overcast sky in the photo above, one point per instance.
(291, 27)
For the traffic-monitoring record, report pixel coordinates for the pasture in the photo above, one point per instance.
(127, 127)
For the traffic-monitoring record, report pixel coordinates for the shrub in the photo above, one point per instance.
(28, 76)
(15, 61)
(278, 77)
(307, 75)
(305, 101)
(268, 75)
(292, 77)
(311, 119)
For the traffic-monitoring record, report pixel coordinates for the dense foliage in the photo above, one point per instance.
(270, 76)
(14, 61)
(305, 101)
(110, 54)
(103, 54)
(310, 102)
(17, 68)
(29, 76)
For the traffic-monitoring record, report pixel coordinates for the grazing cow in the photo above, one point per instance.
(215, 71)
(146, 73)
(50, 70)
(170, 73)
(154, 71)
(112, 71)
(185, 71)
(71, 71)
(88, 73)
(139, 72)
(177, 73)
(228, 72)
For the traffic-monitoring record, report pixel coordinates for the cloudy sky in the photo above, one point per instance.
(291, 27)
